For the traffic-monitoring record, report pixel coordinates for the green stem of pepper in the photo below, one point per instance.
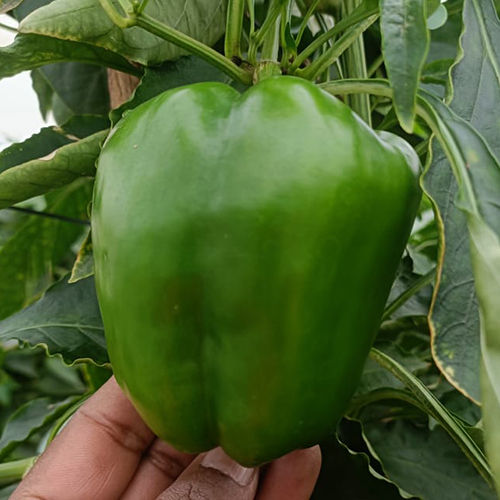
(8, 28)
(360, 14)
(407, 294)
(432, 406)
(271, 43)
(194, 47)
(234, 25)
(141, 6)
(354, 63)
(305, 20)
(268, 28)
(11, 472)
(251, 13)
(121, 20)
(358, 402)
(375, 65)
(332, 54)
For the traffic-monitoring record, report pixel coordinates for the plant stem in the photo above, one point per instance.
(234, 25)
(374, 86)
(305, 20)
(433, 407)
(375, 65)
(270, 45)
(407, 294)
(140, 8)
(194, 47)
(119, 19)
(357, 402)
(49, 215)
(251, 12)
(330, 56)
(8, 28)
(268, 24)
(354, 63)
(356, 16)
(10, 472)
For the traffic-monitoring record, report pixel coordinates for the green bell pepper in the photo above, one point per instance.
(245, 246)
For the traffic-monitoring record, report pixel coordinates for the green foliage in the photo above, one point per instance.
(86, 21)
(405, 41)
(441, 318)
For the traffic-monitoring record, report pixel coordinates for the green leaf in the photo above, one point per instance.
(61, 167)
(418, 303)
(438, 18)
(37, 146)
(33, 51)
(86, 21)
(376, 377)
(444, 40)
(6, 5)
(28, 419)
(29, 255)
(66, 321)
(27, 7)
(346, 472)
(84, 263)
(44, 92)
(425, 463)
(478, 175)
(58, 380)
(186, 70)
(5, 493)
(83, 88)
(476, 98)
(431, 6)
(405, 41)
(85, 125)
(428, 402)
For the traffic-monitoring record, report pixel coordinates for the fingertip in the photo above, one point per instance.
(292, 476)
(214, 475)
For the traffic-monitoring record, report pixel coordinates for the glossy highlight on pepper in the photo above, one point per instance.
(245, 245)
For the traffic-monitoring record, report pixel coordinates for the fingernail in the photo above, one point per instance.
(218, 460)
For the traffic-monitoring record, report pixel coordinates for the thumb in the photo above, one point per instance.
(214, 475)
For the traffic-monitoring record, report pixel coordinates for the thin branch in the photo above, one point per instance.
(49, 215)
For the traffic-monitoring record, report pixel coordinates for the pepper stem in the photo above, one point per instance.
(234, 25)
(134, 16)
(11, 472)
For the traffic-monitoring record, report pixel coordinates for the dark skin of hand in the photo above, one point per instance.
(107, 452)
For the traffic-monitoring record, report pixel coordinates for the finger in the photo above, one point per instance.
(96, 453)
(214, 475)
(292, 477)
(159, 468)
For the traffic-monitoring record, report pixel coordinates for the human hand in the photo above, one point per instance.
(107, 452)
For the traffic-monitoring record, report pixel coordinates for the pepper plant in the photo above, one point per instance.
(422, 419)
